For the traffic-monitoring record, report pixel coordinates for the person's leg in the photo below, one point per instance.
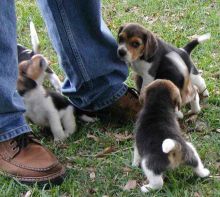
(12, 121)
(19, 151)
(87, 52)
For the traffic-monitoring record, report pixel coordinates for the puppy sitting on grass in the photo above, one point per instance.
(43, 107)
(159, 144)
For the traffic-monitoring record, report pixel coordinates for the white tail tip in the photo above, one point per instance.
(34, 38)
(178, 61)
(168, 145)
(204, 37)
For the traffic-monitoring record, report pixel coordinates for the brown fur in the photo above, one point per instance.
(174, 91)
(32, 68)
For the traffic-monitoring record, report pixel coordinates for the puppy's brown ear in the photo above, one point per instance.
(177, 99)
(151, 45)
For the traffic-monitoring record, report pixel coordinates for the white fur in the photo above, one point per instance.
(142, 68)
(55, 81)
(86, 118)
(128, 57)
(204, 37)
(178, 62)
(200, 170)
(155, 181)
(41, 110)
(136, 157)
(199, 82)
(168, 145)
(34, 38)
(195, 107)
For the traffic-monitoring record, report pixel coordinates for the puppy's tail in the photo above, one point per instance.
(174, 151)
(34, 38)
(169, 145)
(191, 45)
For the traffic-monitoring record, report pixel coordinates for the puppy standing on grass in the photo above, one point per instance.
(159, 144)
(146, 54)
(44, 108)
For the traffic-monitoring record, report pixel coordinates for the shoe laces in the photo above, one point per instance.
(21, 141)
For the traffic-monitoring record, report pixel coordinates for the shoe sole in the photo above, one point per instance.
(46, 184)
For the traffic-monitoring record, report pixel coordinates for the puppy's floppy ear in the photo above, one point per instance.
(121, 28)
(151, 44)
(177, 100)
(24, 84)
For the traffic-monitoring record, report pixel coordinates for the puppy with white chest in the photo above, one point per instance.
(147, 56)
(158, 141)
(44, 108)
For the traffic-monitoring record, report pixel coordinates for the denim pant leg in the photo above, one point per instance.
(12, 122)
(87, 52)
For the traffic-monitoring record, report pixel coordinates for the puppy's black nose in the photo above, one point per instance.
(121, 52)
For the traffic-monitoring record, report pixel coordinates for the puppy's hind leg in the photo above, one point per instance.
(155, 180)
(199, 82)
(194, 160)
(136, 157)
(68, 121)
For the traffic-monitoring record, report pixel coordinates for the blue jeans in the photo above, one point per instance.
(86, 50)
(12, 121)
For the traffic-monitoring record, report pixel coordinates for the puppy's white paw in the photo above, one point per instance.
(144, 189)
(135, 164)
(60, 138)
(205, 93)
(86, 118)
(179, 114)
(194, 111)
(204, 172)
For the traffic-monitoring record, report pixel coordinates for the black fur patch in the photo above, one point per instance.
(24, 53)
(60, 101)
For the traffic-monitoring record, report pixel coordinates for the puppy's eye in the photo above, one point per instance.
(135, 44)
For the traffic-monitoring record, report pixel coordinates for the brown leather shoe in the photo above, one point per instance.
(25, 159)
(124, 109)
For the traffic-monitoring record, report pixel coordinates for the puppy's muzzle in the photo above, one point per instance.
(122, 52)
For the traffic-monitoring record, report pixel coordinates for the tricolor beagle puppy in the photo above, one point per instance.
(44, 108)
(148, 57)
(159, 144)
(26, 54)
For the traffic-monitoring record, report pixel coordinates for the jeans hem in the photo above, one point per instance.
(14, 132)
(115, 97)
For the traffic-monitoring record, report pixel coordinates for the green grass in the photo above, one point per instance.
(174, 21)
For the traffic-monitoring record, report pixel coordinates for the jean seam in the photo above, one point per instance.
(14, 129)
(70, 37)
(15, 132)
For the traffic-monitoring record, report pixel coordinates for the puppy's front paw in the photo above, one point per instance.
(135, 164)
(60, 138)
(179, 114)
(144, 189)
(204, 172)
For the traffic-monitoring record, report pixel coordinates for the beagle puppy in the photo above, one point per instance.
(159, 144)
(43, 107)
(26, 54)
(147, 56)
